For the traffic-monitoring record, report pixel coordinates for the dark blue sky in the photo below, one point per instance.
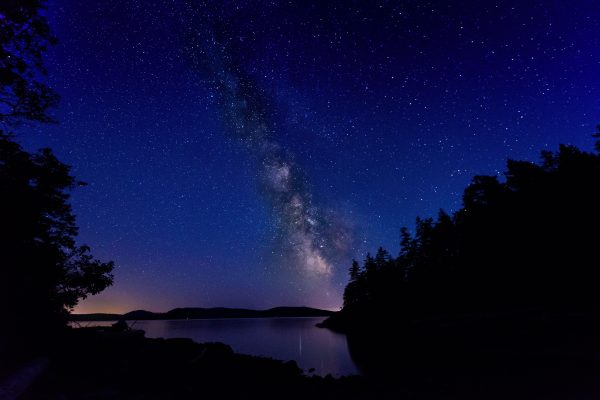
(241, 153)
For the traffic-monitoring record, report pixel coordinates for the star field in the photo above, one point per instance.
(199, 126)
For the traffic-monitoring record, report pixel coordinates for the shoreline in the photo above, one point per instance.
(126, 364)
(290, 338)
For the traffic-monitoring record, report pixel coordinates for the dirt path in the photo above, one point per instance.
(14, 385)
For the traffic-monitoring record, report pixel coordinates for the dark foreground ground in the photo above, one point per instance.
(527, 354)
(477, 357)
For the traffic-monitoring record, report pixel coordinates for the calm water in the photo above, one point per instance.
(281, 338)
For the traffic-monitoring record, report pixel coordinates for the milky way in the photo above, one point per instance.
(308, 237)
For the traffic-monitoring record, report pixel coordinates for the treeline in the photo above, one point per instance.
(529, 241)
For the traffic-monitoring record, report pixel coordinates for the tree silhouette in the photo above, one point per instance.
(24, 38)
(528, 242)
(43, 272)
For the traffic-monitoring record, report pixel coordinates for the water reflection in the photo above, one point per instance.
(281, 338)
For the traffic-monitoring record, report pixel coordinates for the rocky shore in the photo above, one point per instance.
(108, 363)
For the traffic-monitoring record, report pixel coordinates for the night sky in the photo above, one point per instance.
(241, 153)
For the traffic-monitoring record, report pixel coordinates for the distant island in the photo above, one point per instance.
(205, 313)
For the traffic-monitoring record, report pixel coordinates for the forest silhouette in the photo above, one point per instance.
(498, 299)
(526, 242)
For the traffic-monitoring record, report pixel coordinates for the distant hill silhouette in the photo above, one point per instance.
(206, 313)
